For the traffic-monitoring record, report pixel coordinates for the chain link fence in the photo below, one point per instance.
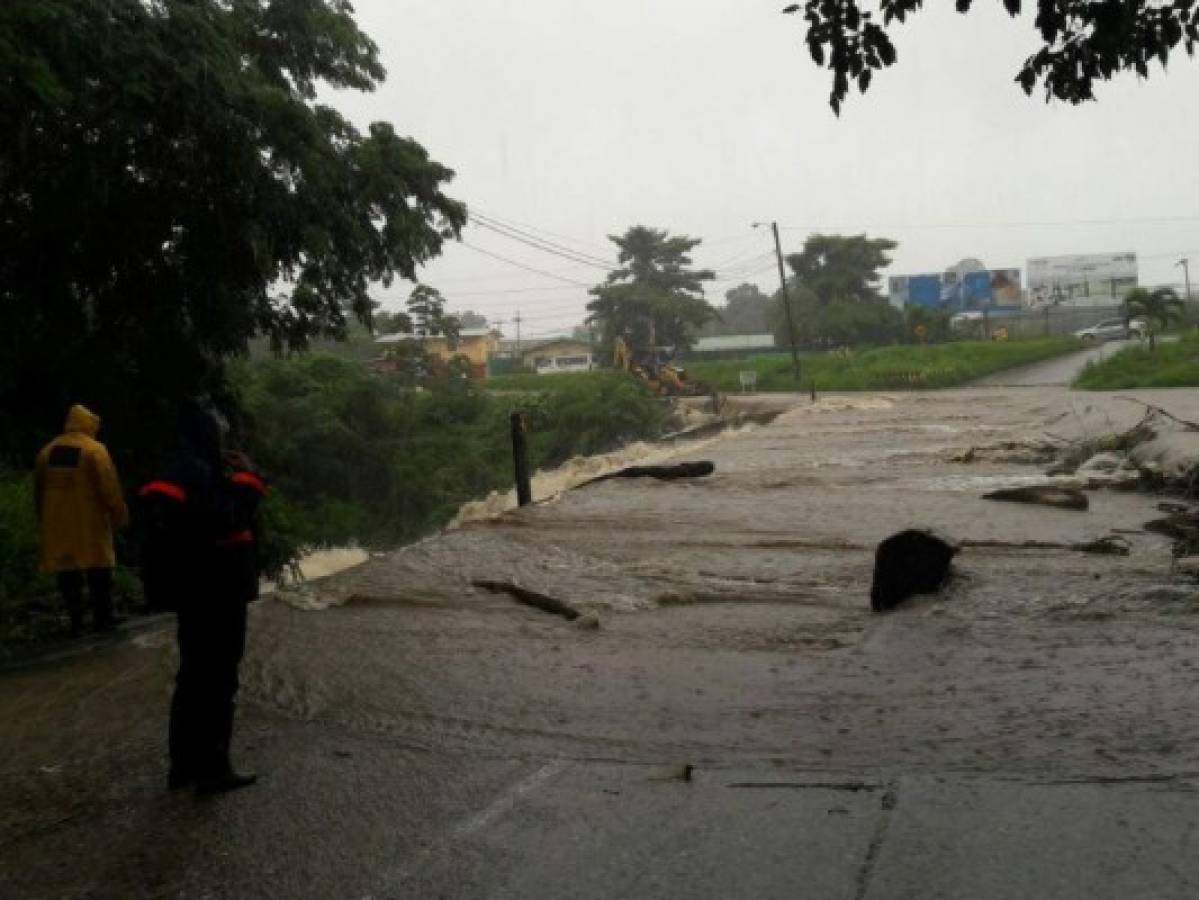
(1056, 321)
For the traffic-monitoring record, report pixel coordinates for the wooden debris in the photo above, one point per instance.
(1112, 544)
(1189, 426)
(535, 599)
(663, 473)
(1043, 495)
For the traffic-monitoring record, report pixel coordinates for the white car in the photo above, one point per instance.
(1114, 330)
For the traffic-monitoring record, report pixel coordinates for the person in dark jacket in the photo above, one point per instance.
(199, 558)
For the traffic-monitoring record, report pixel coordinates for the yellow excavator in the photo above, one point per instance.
(659, 372)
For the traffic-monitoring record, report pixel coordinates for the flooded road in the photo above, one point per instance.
(1032, 730)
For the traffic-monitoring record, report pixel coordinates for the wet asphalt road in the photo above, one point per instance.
(1058, 371)
(1031, 732)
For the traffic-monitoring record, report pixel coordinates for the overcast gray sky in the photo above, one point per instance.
(581, 119)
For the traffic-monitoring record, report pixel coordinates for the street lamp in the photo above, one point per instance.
(778, 252)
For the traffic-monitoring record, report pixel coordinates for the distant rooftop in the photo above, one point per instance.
(734, 342)
(401, 337)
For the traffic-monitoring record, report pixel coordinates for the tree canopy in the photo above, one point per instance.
(835, 296)
(170, 188)
(1158, 307)
(843, 269)
(471, 319)
(655, 295)
(1082, 41)
(746, 310)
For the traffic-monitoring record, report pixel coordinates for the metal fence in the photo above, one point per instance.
(1052, 321)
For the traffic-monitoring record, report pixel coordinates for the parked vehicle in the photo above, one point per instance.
(1114, 330)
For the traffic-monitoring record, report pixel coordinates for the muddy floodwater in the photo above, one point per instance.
(388, 705)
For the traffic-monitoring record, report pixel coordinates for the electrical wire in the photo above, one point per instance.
(541, 244)
(974, 225)
(516, 224)
(520, 265)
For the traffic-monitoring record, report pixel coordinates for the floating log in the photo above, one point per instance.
(663, 473)
(535, 599)
(1113, 545)
(1043, 495)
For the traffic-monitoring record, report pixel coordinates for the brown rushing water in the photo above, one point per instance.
(734, 631)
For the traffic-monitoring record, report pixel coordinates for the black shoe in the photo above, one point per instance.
(224, 783)
(179, 779)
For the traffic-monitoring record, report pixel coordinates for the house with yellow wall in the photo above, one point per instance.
(476, 344)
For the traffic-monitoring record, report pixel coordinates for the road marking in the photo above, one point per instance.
(498, 807)
(507, 800)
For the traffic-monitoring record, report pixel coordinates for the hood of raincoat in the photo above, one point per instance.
(200, 432)
(82, 420)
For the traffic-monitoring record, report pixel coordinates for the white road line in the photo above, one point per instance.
(502, 805)
(507, 800)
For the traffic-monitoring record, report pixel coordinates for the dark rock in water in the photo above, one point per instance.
(1045, 495)
(699, 469)
(915, 561)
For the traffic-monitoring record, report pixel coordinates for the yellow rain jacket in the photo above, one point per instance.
(79, 501)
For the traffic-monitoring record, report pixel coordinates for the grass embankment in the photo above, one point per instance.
(1174, 364)
(884, 368)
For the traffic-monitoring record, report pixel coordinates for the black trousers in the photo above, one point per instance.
(212, 639)
(99, 591)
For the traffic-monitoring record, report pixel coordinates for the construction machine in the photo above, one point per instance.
(656, 367)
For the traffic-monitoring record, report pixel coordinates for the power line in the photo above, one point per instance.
(1029, 224)
(451, 293)
(542, 244)
(540, 313)
(517, 224)
(558, 315)
(527, 290)
(752, 264)
(520, 265)
(552, 251)
(744, 275)
(1174, 255)
(739, 257)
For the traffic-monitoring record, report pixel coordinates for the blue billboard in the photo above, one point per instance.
(954, 292)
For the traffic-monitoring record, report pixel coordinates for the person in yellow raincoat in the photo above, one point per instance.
(79, 506)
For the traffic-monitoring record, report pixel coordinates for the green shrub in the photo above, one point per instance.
(358, 458)
(18, 537)
(30, 609)
(600, 413)
(1172, 364)
(884, 368)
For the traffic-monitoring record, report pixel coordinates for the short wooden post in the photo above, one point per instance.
(520, 458)
(812, 387)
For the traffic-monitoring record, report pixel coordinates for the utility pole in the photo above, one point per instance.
(1186, 273)
(517, 321)
(778, 252)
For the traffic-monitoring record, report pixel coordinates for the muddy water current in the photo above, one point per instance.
(733, 627)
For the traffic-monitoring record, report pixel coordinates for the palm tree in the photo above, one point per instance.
(1158, 307)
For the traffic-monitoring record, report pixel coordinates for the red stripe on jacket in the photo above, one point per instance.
(250, 480)
(165, 488)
